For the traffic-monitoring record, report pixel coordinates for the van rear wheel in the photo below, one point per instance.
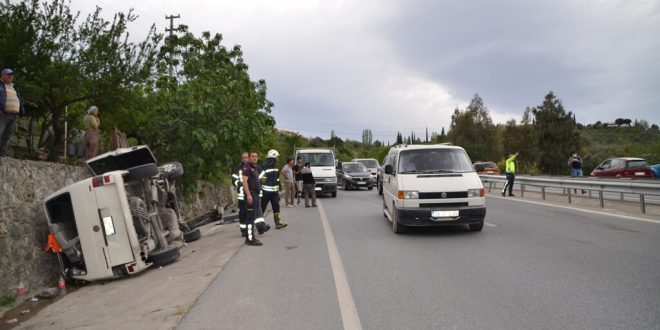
(141, 172)
(164, 256)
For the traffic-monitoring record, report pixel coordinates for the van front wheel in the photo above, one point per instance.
(477, 226)
(397, 228)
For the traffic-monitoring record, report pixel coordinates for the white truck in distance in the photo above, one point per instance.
(322, 162)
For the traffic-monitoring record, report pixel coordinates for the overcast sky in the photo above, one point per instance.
(401, 66)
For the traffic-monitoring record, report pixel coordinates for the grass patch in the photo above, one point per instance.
(6, 301)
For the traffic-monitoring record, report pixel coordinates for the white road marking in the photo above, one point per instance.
(349, 313)
(490, 224)
(582, 210)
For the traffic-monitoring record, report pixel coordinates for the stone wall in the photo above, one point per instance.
(24, 185)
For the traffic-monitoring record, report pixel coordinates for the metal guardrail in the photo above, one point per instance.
(600, 185)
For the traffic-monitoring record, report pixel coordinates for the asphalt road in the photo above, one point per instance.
(532, 267)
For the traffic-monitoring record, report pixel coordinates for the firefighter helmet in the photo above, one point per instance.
(272, 153)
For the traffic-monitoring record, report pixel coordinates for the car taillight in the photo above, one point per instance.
(101, 180)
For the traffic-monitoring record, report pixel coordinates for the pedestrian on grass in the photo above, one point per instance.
(11, 108)
(92, 132)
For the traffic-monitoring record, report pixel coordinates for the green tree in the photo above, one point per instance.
(473, 129)
(367, 136)
(557, 134)
(66, 64)
(209, 111)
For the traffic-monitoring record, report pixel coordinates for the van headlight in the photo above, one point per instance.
(408, 194)
(476, 192)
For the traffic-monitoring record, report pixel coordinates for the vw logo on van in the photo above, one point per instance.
(443, 195)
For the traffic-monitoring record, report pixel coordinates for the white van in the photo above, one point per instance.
(432, 185)
(322, 162)
(122, 220)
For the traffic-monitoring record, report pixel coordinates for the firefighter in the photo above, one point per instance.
(251, 187)
(236, 178)
(271, 186)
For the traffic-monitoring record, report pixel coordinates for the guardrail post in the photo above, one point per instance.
(642, 205)
(589, 193)
(543, 193)
(621, 198)
(600, 196)
(569, 196)
(522, 190)
(490, 186)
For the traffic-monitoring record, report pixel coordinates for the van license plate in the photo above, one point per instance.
(444, 214)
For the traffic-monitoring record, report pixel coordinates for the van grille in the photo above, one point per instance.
(438, 195)
(441, 205)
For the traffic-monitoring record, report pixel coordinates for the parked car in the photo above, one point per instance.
(655, 169)
(432, 185)
(486, 168)
(380, 172)
(626, 167)
(354, 175)
(122, 220)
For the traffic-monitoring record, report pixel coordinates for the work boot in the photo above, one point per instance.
(503, 194)
(253, 242)
(279, 224)
(263, 229)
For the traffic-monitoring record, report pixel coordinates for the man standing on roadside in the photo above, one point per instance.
(11, 108)
(289, 181)
(510, 174)
(575, 162)
(251, 187)
(297, 174)
(308, 185)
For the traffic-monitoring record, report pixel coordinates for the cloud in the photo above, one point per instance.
(400, 66)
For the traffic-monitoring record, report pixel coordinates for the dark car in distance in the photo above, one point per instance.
(354, 175)
(623, 167)
(486, 168)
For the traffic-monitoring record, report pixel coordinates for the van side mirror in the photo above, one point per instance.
(389, 169)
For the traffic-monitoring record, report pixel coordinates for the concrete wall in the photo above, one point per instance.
(24, 185)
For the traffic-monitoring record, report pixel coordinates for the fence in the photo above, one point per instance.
(640, 187)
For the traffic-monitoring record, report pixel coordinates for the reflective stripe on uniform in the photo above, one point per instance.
(260, 219)
(271, 188)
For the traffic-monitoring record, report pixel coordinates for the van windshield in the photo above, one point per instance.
(318, 158)
(434, 161)
(370, 163)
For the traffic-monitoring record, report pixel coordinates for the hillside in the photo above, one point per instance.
(598, 144)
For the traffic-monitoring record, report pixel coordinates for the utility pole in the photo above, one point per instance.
(171, 31)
